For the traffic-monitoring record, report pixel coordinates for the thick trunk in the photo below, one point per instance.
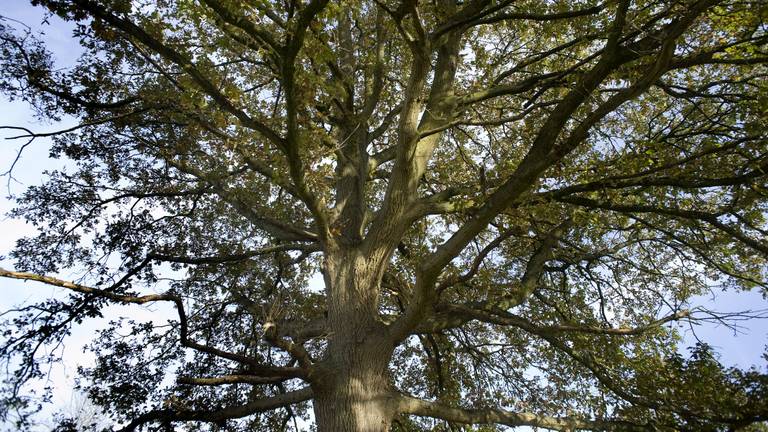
(352, 385)
(355, 396)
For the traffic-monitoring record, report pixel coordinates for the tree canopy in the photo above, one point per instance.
(513, 204)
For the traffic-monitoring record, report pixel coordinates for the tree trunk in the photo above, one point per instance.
(352, 384)
(354, 397)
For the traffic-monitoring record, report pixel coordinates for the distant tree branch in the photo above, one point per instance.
(133, 30)
(265, 39)
(644, 179)
(149, 298)
(710, 218)
(279, 229)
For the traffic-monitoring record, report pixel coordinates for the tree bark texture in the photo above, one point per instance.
(352, 385)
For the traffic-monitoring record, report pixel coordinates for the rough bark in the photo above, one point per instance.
(352, 384)
(353, 394)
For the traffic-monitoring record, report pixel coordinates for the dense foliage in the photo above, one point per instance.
(513, 205)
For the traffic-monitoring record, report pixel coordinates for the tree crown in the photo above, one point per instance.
(517, 199)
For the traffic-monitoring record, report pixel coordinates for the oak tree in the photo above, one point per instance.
(513, 205)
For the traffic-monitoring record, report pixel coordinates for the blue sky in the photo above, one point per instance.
(743, 349)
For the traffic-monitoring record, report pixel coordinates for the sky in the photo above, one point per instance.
(29, 171)
(742, 349)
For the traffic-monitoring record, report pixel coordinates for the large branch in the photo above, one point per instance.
(468, 18)
(546, 150)
(537, 160)
(220, 259)
(414, 150)
(296, 167)
(239, 411)
(295, 350)
(419, 407)
(540, 80)
(213, 259)
(231, 379)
